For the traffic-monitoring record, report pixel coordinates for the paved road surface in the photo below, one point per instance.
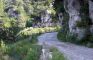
(71, 51)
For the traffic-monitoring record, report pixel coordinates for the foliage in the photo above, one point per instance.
(82, 24)
(33, 31)
(29, 23)
(18, 14)
(84, 10)
(84, 13)
(1, 7)
(8, 35)
(23, 50)
(91, 38)
(86, 41)
(3, 47)
(61, 9)
(56, 55)
(59, 6)
(67, 38)
(3, 50)
(61, 36)
(34, 38)
(21, 10)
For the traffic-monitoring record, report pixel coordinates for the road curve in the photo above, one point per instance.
(71, 51)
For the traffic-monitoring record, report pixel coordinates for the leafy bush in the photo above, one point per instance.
(67, 38)
(3, 47)
(86, 41)
(3, 50)
(8, 35)
(34, 53)
(33, 31)
(56, 55)
(91, 38)
(29, 23)
(22, 50)
(85, 22)
(61, 36)
(82, 24)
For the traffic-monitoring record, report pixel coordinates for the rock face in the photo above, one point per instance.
(91, 13)
(46, 18)
(73, 9)
(12, 12)
(80, 22)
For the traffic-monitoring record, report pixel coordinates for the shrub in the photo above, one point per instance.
(8, 34)
(3, 47)
(29, 23)
(34, 53)
(84, 23)
(56, 55)
(33, 31)
(24, 50)
(86, 41)
(61, 36)
(67, 38)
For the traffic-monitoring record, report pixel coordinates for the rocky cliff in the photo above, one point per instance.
(80, 18)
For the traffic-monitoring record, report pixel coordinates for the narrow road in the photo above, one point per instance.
(71, 51)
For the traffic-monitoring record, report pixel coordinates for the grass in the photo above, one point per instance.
(22, 50)
(56, 55)
(61, 36)
(87, 41)
(26, 48)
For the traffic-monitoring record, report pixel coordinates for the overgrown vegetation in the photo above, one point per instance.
(87, 41)
(23, 50)
(21, 21)
(65, 27)
(33, 31)
(19, 28)
(67, 38)
(15, 15)
(56, 55)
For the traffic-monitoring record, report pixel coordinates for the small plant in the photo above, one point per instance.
(61, 36)
(29, 23)
(67, 37)
(56, 55)
(91, 38)
(82, 24)
(79, 24)
(3, 47)
(33, 53)
(24, 50)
